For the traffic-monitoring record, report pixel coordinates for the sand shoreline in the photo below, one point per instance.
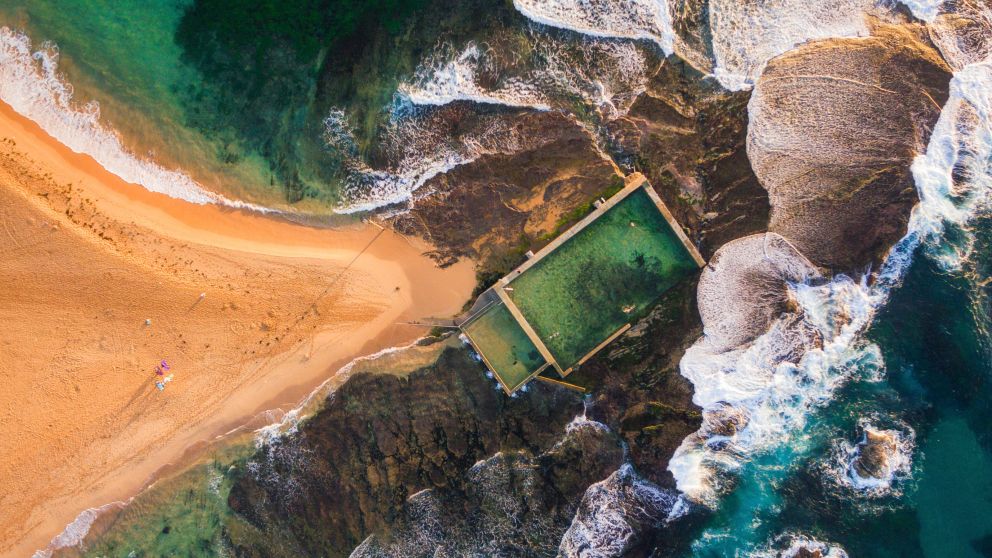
(282, 290)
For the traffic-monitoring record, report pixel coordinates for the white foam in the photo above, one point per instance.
(898, 466)
(746, 35)
(31, 85)
(440, 81)
(783, 375)
(75, 532)
(626, 19)
(924, 9)
(611, 513)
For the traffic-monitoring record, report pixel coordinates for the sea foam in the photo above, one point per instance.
(778, 379)
(745, 35)
(627, 19)
(31, 84)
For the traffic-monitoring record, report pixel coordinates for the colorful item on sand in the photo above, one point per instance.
(164, 365)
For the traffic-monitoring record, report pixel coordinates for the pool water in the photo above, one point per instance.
(602, 278)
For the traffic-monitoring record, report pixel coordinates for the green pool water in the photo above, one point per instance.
(602, 278)
(504, 344)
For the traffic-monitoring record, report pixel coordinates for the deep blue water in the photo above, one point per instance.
(934, 338)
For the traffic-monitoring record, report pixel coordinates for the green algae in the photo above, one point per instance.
(602, 278)
(183, 515)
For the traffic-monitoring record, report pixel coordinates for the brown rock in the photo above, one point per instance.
(834, 126)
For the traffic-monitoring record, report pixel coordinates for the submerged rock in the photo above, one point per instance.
(834, 126)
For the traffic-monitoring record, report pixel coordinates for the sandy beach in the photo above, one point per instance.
(250, 312)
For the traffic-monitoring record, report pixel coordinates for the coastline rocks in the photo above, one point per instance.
(834, 126)
(548, 167)
(350, 468)
(688, 136)
(962, 30)
(615, 514)
(512, 503)
(880, 461)
(744, 288)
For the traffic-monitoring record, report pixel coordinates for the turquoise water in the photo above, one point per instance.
(236, 95)
(124, 56)
(934, 339)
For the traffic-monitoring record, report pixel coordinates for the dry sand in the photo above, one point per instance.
(86, 258)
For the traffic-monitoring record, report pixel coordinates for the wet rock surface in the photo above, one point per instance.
(875, 453)
(351, 467)
(834, 126)
(744, 288)
(513, 504)
(350, 472)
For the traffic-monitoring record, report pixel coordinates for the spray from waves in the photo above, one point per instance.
(552, 74)
(31, 84)
(778, 379)
(746, 35)
(75, 532)
(878, 465)
(626, 19)
(923, 9)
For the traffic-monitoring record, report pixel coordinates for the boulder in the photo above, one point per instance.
(834, 127)
(744, 288)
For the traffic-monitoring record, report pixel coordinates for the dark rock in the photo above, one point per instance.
(875, 453)
(834, 126)
(688, 136)
(351, 467)
(482, 209)
(512, 504)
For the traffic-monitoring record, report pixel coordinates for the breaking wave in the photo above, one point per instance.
(461, 104)
(75, 532)
(778, 379)
(422, 144)
(625, 19)
(553, 74)
(31, 84)
(878, 464)
(746, 35)
(613, 513)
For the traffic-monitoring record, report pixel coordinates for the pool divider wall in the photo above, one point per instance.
(525, 325)
(633, 183)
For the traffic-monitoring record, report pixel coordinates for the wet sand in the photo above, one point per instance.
(86, 259)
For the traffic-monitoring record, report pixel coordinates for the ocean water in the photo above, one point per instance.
(212, 102)
(907, 356)
(138, 86)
